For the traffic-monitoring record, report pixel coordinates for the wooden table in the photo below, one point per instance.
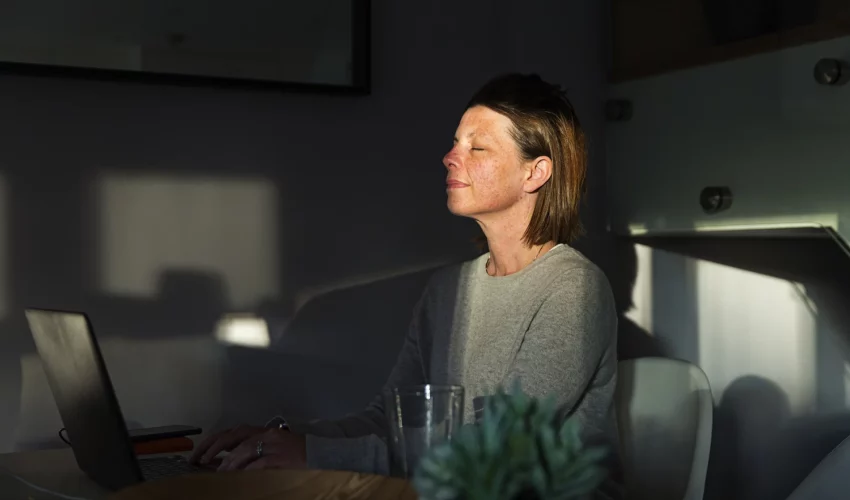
(272, 485)
(53, 474)
(44, 474)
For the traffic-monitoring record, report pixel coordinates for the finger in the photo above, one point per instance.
(246, 454)
(239, 457)
(205, 445)
(246, 447)
(227, 441)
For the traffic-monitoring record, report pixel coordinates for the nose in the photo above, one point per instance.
(451, 160)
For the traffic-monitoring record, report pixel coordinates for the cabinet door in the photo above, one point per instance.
(761, 126)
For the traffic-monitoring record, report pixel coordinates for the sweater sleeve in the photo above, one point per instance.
(357, 442)
(570, 339)
(570, 351)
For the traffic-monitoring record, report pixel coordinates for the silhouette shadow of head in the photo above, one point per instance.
(747, 419)
(187, 302)
(632, 340)
(192, 300)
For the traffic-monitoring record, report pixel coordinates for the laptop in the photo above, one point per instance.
(87, 404)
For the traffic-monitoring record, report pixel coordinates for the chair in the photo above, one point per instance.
(829, 479)
(664, 412)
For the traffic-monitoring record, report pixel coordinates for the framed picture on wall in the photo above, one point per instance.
(316, 45)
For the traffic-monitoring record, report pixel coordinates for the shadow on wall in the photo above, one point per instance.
(187, 302)
(759, 450)
(632, 340)
(749, 413)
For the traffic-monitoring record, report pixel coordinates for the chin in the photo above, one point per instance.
(458, 209)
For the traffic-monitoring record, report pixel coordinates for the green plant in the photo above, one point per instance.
(520, 449)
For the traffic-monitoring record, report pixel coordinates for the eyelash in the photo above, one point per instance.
(478, 149)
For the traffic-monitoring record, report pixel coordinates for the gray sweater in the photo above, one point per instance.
(551, 325)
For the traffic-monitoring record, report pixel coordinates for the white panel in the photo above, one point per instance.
(760, 125)
(756, 325)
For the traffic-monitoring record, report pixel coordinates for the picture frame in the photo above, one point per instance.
(135, 49)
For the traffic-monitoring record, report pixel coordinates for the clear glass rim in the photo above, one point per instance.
(424, 390)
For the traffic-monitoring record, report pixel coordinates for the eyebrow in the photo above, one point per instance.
(471, 135)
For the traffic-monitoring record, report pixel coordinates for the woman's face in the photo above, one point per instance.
(485, 172)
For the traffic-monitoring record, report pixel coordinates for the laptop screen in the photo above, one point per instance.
(84, 396)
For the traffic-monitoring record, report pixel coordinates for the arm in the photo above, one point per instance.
(570, 347)
(570, 352)
(356, 442)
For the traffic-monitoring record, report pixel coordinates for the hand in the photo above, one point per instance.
(281, 449)
(225, 440)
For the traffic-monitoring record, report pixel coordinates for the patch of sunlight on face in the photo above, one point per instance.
(244, 330)
(224, 227)
(751, 324)
(641, 311)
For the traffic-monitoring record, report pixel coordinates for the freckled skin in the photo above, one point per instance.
(485, 157)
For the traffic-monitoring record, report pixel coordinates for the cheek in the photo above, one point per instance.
(492, 186)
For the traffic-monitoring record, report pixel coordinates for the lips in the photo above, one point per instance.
(453, 184)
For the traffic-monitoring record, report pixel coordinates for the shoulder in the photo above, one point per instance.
(576, 284)
(568, 268)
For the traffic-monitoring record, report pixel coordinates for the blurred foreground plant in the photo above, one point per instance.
(521, 449)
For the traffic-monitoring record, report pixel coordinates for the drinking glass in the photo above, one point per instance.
(419, 418)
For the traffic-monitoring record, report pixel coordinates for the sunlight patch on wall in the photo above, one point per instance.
(751, 324)
(786, 221)
(157, 225)
(641, 311)
(244, 330)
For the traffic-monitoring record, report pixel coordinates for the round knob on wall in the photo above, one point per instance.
(715, 199)
(832, 72)
(618, 110)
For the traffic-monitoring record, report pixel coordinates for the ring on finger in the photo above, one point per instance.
(259, 449)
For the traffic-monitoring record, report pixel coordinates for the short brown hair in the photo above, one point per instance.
(544, 124)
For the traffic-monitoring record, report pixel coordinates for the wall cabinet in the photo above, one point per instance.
(761, 125)
(651, 37)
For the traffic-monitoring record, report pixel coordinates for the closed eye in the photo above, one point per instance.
(478, 149)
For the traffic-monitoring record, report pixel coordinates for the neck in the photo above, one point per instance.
(509, 253)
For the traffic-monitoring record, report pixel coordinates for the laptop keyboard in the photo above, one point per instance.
(162, 467)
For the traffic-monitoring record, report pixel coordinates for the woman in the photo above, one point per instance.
(531, 309)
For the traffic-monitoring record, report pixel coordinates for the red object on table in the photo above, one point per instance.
(168, 445)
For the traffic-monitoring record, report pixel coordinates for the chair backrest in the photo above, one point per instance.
(829, 479)
(664, 412)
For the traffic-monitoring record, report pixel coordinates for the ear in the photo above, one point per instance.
(538, 173)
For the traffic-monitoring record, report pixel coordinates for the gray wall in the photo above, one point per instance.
(158, 209)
